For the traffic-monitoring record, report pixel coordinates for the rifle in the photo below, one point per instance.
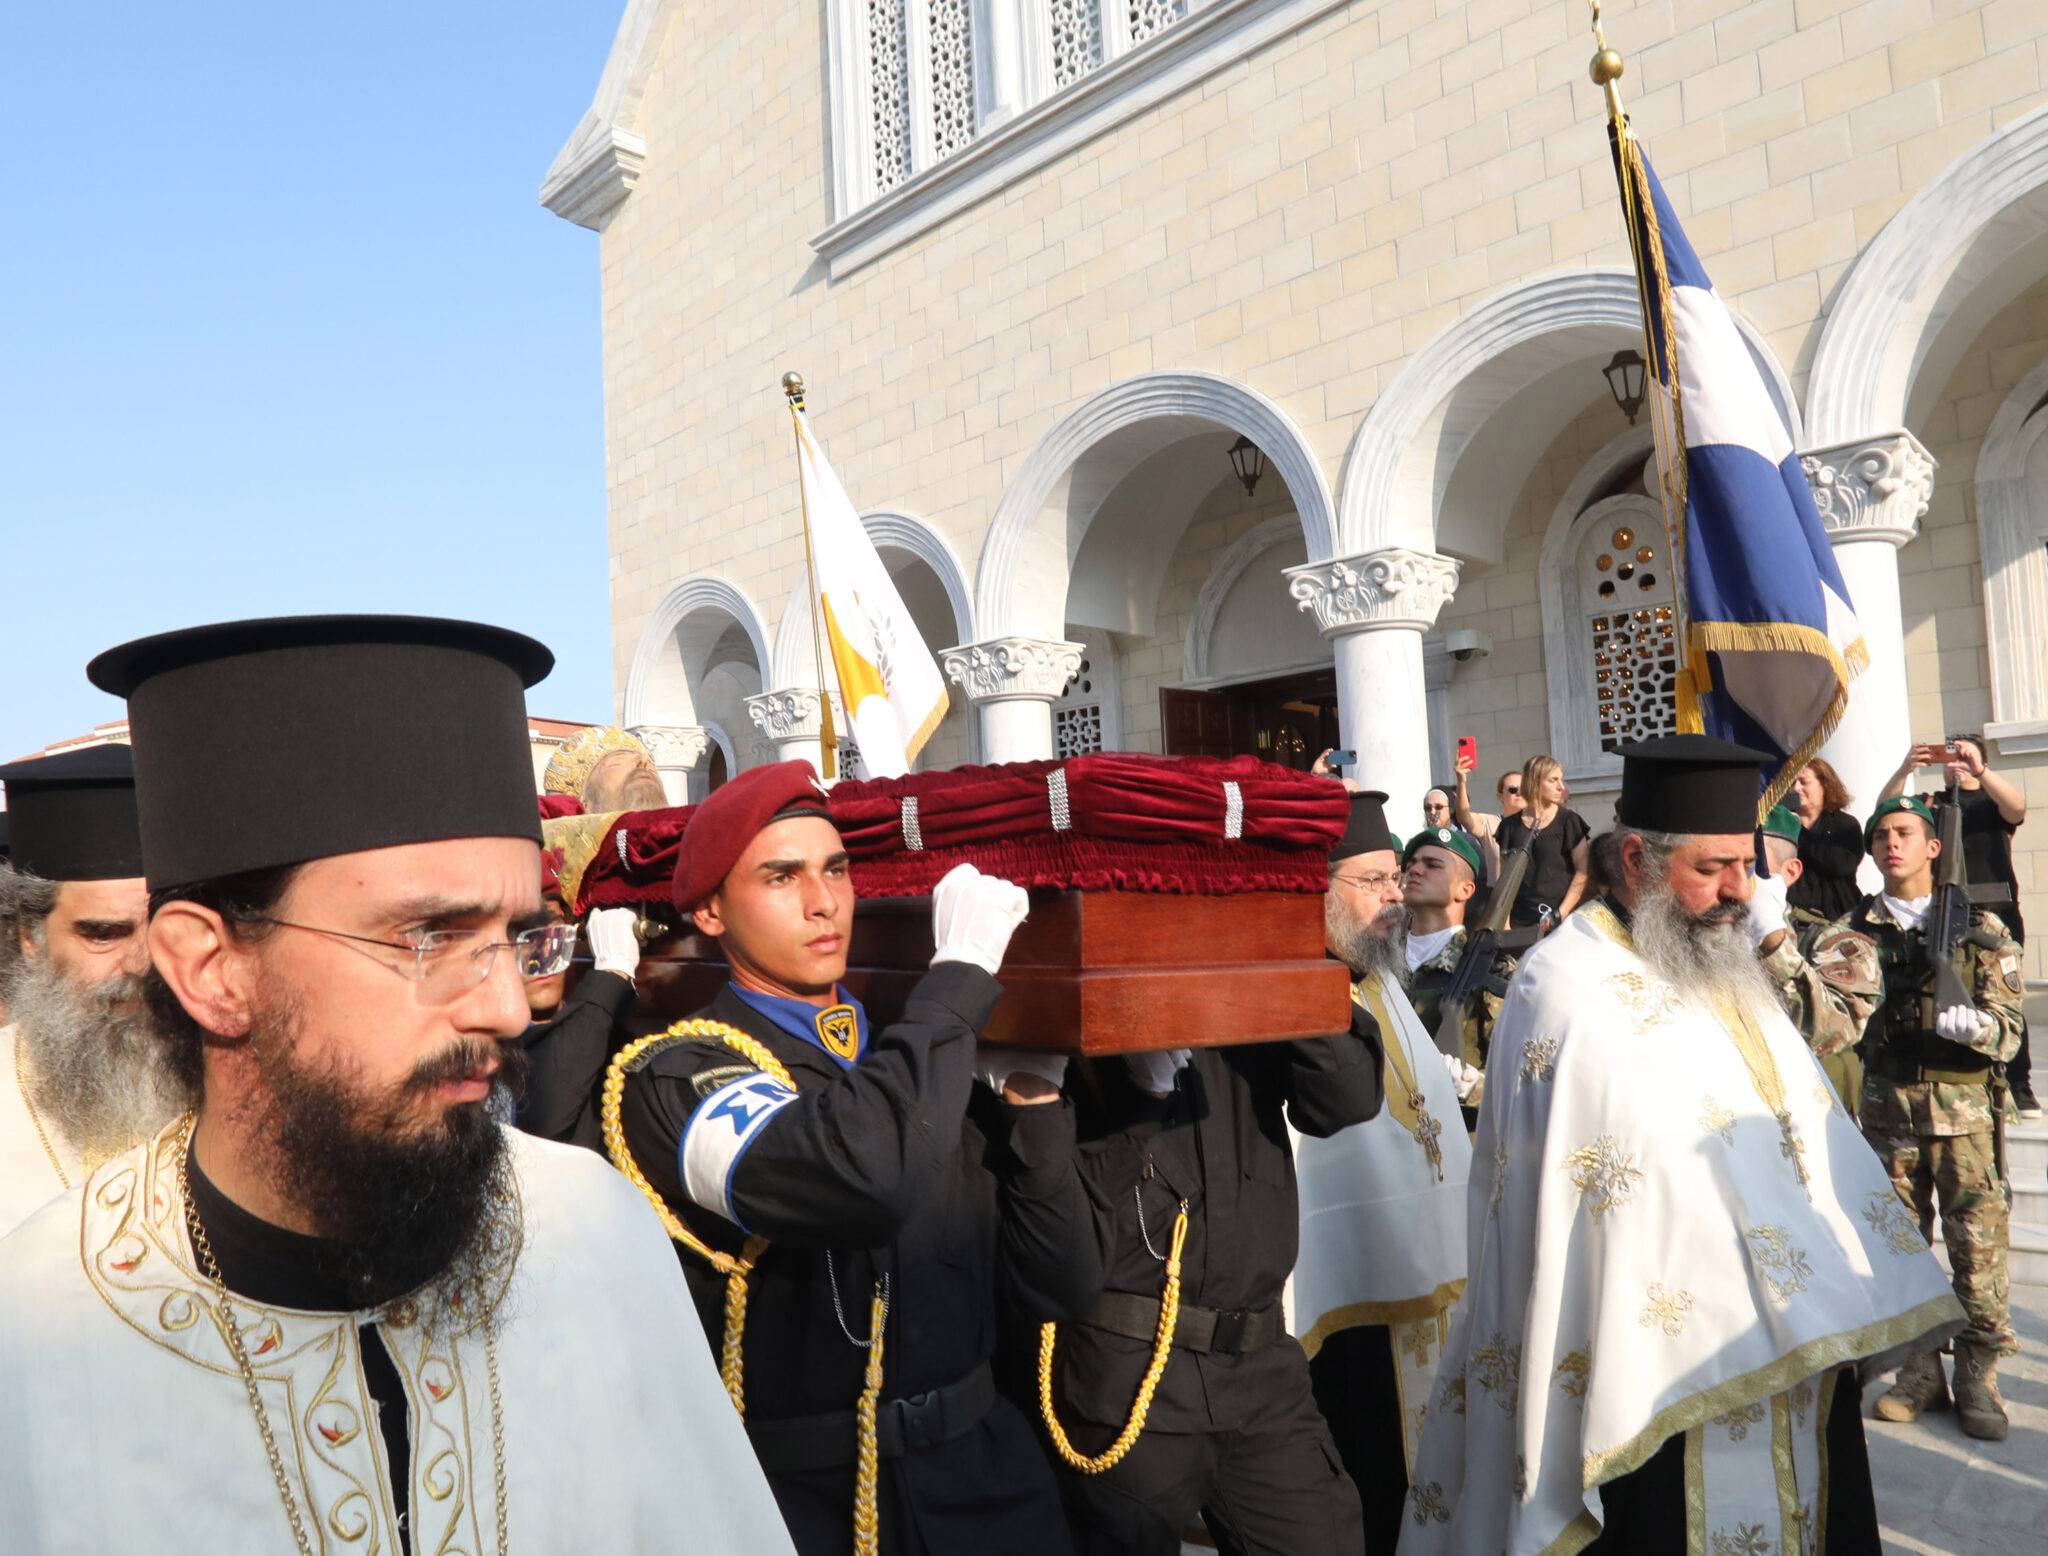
(1484, 941)
(1948, 916)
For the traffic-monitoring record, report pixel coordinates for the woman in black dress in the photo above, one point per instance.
(1830, 847)
(1557, 842)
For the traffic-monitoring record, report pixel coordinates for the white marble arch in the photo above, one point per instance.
(1237, 560)
(2012, 540)
(1021, 583)
(1969, 242)
(1509, 375)
(793, 663)
(675, 644)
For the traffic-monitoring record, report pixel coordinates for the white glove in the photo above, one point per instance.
(973, 917)
(995, 1063)
(614, 948)
(1155, 1071)
(1964, 1024)
(1766, 906)
(1464, 1076)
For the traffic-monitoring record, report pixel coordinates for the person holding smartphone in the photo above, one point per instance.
(1558, 841)
(1483, 827)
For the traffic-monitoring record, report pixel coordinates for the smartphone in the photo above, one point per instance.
(1949, 753)
(1468, 750)
(1341, 759)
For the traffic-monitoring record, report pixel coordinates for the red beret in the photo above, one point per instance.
(721, 828)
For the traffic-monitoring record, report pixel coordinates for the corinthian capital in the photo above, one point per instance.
(1394, 587)
(1013, 669)
(791, 714)
(673, 745)
(1872, 489)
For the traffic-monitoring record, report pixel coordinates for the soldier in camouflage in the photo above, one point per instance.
(1442, 868)
(1933, 1092)
(1827, 974)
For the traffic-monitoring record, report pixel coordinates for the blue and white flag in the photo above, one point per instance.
(1772, 639)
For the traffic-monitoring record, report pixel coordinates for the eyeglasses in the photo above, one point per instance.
(439, 962)
(1377, 881)
(1512, 788)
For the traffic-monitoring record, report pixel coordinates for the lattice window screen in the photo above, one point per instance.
(952, 75)
(1077, 716)
(1076, 39)
(889, 84)
(1634, 633)
(1147, 17)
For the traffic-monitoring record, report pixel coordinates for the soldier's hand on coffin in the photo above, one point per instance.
(614, 948)
(973, 917)
(1964, 1024)
(1157, 1072)
(1026, 1075)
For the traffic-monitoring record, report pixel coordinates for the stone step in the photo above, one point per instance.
(2026, 1151)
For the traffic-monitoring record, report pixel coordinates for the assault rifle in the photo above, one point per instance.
(1484, 942)
(1948, 916)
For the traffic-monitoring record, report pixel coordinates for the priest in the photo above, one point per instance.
(335, 1307)
(1383, 1202)
(1682, 1253)
(82, 1077)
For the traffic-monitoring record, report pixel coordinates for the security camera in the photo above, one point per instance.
(1464, 644)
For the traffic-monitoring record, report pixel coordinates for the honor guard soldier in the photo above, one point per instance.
(1933, 1092)
(1826, 973)
(851, 1205)
(1441, 872)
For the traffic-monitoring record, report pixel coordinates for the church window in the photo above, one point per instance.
(1077, 716)
(889, 88)
(1076, 39)
(1631, 628)
(1146, 17)
(952, 39)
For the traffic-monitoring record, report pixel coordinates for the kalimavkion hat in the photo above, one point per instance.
(1367, 831)
(1694, 785)
(268, 743)
(73, 816)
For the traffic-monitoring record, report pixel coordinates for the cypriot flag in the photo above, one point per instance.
(889, 684)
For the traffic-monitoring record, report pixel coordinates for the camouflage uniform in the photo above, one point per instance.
(1829, 983)
(1430, 981)
(1927, 1105)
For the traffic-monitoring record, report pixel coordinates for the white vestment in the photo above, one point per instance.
(125, 1423)
(28, 1176)
(1675, 1229)
(1383, 1209)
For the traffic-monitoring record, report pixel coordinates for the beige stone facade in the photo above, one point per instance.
(1381, 241)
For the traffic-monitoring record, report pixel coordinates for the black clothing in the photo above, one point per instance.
(1550, 872)
(568, 1055)
(1643, 1512)
(1829, 852)
(899, 1166)
(1987, 851)
(1359, 1394)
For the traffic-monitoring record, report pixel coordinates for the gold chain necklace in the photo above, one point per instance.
(35, 1118)
(204, 1248)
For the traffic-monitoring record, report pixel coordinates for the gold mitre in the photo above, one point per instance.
(569, 769)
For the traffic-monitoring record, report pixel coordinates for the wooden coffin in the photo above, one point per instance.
(1088, 972)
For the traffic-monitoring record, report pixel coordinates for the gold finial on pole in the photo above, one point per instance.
(1606, 69)
(793, 386)
(828, 738)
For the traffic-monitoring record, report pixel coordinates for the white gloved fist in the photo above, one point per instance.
(1464, 1076)
(973, 917)
(995, 1063)
(614, 948)
(1964, 1024)
(1766, 906)
(1155, 1071)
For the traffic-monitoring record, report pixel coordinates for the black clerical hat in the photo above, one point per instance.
(266, 743)
(72, 817)
(1366, 832)
(1692, 784)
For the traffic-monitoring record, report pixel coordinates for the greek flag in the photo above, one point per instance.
(1771, 638)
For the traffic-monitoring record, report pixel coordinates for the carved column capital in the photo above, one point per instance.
(1013, 669)
(1871, 489)
(1375, 590)
(792, 714)
(673, 745)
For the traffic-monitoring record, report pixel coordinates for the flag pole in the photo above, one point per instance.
(1667, 413)
(828, 739)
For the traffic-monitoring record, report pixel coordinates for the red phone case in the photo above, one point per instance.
(1468, 749)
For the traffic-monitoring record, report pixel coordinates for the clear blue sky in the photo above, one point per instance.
(284, 328)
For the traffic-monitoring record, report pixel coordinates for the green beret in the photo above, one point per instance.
(1892, 806)
(1456, 840)
(1783, 822)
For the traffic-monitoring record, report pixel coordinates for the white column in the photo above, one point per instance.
(790, 719)
(1012, 684)
(677, 750)
(1375, 608)
(1871, 494)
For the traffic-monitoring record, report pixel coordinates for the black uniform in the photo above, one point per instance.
(899, 1166)
(568, 1054)
(1233, 1433)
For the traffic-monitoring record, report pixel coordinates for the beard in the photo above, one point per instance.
(101, 1075)
(1367, 946)
(1705, 955)
(402, 1200)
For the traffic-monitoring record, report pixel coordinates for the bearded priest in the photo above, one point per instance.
(336, 1307)
(1683, 1255)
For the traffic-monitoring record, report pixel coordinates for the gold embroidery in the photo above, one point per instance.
(1575, 1371)
(1783, 1267)
(1802, 1401)
(1824, 1094)
(1755, 1050)
(1747, 1540)
(1717, 1120)
(1539, 1060)
(1453, 1395)
(1890, 1221)
(1651, 1001)
(1416, 1339)
(1521, 1478)
(1498, 1367)
(1430, 1503)
(1404, 1097)
(1665, 1310)
(1500, 1176)
(1606, 1176)
(1741, 1419)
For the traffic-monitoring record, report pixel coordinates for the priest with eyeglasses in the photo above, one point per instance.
(337, 1307)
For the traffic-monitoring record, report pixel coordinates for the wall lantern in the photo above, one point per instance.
(1625, 380)
(1248, 462)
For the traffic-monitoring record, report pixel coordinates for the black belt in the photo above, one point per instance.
(1229, 1332)
(831, 1441)
(1902, 1073)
